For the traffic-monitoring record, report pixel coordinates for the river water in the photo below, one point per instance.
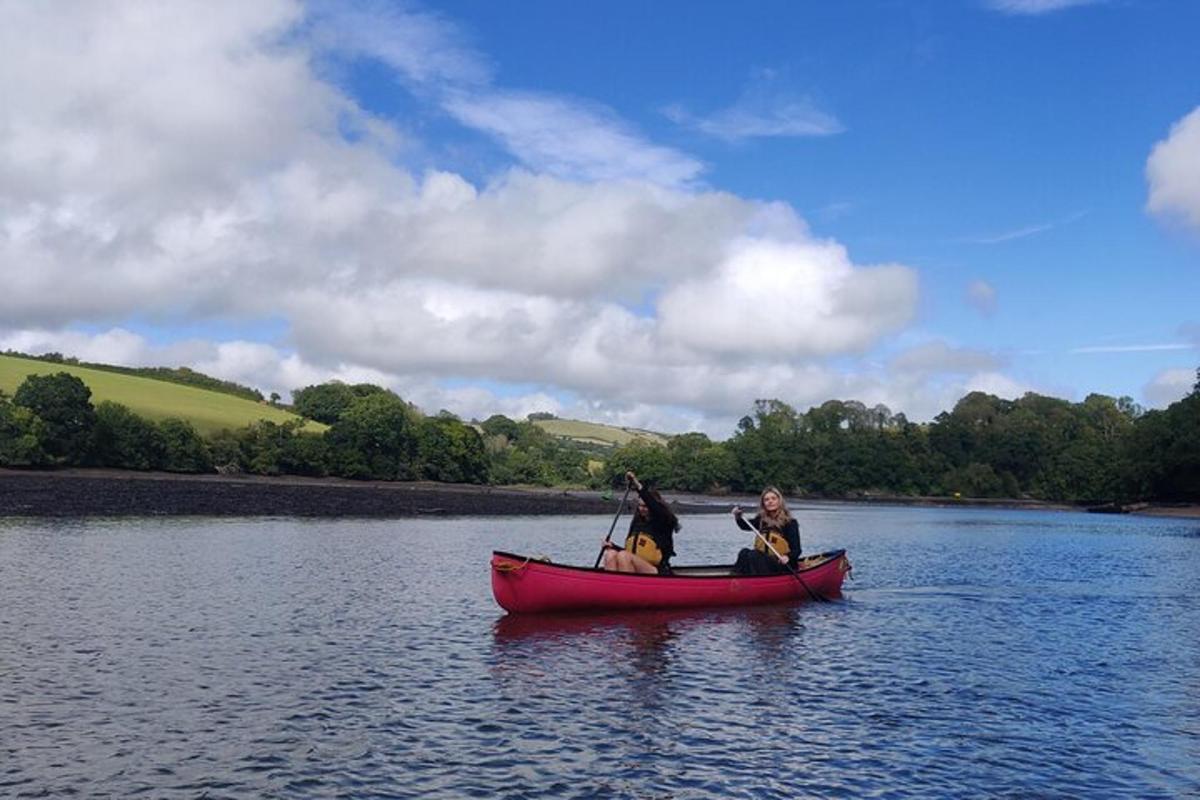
(977, 653)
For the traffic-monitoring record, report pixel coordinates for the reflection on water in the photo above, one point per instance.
(976, 653)
(647, 625)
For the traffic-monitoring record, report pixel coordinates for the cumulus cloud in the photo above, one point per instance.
(1173, 172)
(1168, 386)
(1035, 7)
(195, 163)
(928, 378)
(789, 299)
(998, 384)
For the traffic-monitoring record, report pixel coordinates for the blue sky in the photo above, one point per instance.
(644, 214)
(1007, 148)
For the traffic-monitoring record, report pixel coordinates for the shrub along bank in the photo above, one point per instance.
(1102, 450)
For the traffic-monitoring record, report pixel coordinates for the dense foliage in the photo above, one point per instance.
(523, 453)
(63, 403)
(1099, 451)
(326, 402)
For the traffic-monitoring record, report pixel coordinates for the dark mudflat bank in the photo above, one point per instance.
(80, 492)
(86, 492)
(115, 493)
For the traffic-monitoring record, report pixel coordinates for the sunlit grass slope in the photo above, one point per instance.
(595, 433)
(208, 411)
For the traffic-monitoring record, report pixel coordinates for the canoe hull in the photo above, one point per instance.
(523, 585)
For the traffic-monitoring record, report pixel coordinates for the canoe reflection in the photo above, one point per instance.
(639, 661)
(769, 621)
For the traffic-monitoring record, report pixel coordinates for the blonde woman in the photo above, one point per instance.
(778, 527)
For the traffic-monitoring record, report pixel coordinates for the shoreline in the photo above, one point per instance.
(79, 492)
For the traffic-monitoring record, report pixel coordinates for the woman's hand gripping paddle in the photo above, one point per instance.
(613, 527)
(784, 561)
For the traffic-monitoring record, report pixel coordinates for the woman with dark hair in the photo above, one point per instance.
(650, 542)
(777, 526)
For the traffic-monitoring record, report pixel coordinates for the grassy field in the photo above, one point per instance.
(595, 433)
(207, 411)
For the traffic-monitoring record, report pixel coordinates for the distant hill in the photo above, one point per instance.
(209, 411)
(596, 434)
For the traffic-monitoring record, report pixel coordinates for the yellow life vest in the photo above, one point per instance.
(777, 540)
(643, 545)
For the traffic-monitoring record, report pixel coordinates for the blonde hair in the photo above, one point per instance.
(781, 516)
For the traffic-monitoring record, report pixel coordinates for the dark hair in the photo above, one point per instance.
(670, 515)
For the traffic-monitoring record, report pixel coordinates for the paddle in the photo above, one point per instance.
(613, 527)
(784, 561)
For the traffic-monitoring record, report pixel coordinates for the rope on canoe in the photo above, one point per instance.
(508, 566)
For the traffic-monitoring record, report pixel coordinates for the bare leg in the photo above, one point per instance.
(621, 561)
(642, 565)
(628, 562)
(611, 559)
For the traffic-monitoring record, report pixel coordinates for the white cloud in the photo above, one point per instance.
(570, 139)
(426, 49)
(190, 164)
(982, 296)
(1173, 172)
(628, 386)
(543, 234)
(1130, 348)
(1025, 231)
(765, 109)
(998, 384)
(939, 357)
(1168, 386)
(1008, 236)
(928, 378)
(1035, 7)
(116, 345)
(558, 135)
(788, 300)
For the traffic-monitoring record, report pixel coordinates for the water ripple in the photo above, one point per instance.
(977, 653)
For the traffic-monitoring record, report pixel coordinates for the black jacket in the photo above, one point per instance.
(790, 531)
(660, 526)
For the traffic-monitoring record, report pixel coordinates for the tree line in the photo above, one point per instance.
(373, 434)
(1098, 451)
(1103, 450)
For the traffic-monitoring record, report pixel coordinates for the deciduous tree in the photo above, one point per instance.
(63, 402)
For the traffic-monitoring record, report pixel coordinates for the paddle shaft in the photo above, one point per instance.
(613, 527)
(783, 560)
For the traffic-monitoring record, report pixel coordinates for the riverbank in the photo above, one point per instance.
(85, 492)
(105, 492)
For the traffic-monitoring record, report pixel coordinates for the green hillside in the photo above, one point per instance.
(597, 434)
(208, 411)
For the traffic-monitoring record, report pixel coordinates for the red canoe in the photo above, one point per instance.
(524, 585)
